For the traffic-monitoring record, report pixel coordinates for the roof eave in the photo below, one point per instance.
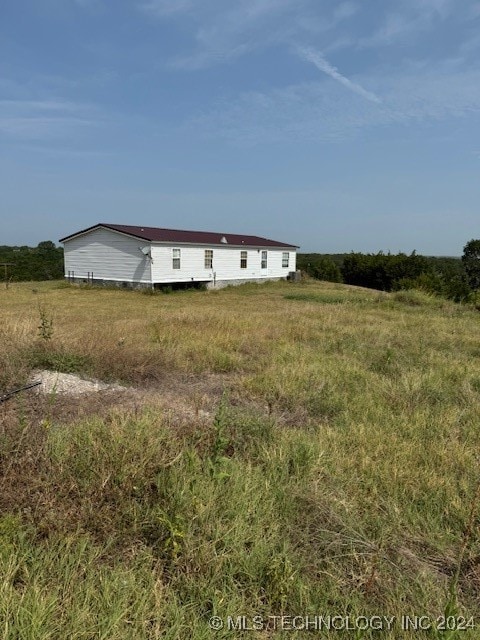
(102, 225)
(225, 244)
(110, 227)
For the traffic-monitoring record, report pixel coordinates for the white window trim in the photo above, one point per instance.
(264, 259)
(242, 253)
(209, 259)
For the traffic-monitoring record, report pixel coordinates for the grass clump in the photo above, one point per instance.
(416, 298)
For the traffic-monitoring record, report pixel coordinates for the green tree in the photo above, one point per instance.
(325, 269)
(46, 245)
(471, 262)
(44, 262)
(384, 271)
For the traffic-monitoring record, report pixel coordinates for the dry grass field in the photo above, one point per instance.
(282, 450)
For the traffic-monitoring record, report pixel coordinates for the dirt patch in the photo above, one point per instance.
(63, 397)
(54, 382)
(184, 399)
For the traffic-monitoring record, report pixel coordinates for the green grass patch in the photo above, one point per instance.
(325, 298)
(46, 356)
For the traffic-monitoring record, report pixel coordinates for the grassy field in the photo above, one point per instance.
(283, 450)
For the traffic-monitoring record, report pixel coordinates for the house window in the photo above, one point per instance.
(243, 259)
(264, 259)
(176, 259)
(208, 258)
(285, 257)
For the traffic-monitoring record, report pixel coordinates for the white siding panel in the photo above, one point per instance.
(226, 264)
(109, 255)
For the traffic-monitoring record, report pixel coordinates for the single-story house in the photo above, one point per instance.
(134, 256)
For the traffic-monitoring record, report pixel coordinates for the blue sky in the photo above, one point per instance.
(338, 126)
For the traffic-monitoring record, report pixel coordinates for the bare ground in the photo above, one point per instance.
(64, 397)
(187, 401)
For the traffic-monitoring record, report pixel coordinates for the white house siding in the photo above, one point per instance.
(226, 264)
(107, 255)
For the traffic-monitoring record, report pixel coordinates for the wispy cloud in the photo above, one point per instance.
(383, 91)
(209, 57)
(322, 64)
(395, 27)
(42, 105)
(443, 8)
(31, 147)
(36, 128)
(311, 112)
(224, 31)
(43, 119)
(409, 19)
(303, 112)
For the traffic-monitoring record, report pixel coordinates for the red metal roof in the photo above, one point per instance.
(153, 234)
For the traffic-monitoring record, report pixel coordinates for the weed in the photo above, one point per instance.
(148, 291)
(45, 328)
(220, 440)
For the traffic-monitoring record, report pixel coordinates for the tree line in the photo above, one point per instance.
(454, 278)
(43, 262)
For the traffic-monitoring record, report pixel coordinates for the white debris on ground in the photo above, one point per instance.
(70, 384)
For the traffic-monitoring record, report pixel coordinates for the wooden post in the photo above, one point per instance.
(6, 265)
